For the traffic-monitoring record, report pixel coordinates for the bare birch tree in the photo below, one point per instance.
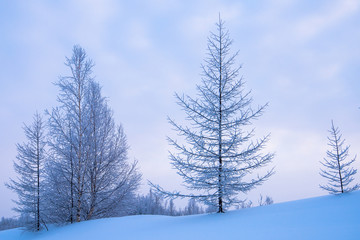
(89, 175)
(111, 180)
(68, 125)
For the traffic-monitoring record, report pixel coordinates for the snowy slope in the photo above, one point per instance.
(328, 217)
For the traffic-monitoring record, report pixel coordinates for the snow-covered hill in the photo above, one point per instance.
(328, 217)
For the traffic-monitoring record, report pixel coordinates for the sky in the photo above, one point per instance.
(301, 57)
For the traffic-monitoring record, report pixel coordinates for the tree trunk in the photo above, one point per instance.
(338, 161)
(221, 210)
(38, 181)
(71, 186)
(78, 210)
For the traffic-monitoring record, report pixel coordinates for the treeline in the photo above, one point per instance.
(156, 204)
(8, 223)
(149, 204)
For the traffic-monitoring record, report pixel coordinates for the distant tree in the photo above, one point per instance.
(218, 155)
(337, 169)
(192, 208)
(265, 201)
(150, 204)
(29, 167)
(245, 204)
(172, 209)
(212, 209)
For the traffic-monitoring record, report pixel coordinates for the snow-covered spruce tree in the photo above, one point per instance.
(29, 167)
(88, 174)
(337, 169)
(219, 154)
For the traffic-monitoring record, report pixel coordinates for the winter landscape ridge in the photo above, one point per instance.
(326, 217)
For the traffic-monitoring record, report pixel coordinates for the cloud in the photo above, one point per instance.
(163, 6)
(313, 25)
(197, 24)
(137, 35)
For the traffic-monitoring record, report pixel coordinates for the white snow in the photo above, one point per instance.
(328, 217)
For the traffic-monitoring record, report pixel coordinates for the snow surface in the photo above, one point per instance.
(328, 217)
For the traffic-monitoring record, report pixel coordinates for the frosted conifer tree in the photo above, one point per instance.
(337, 169)
(29, 167)
(219, 156)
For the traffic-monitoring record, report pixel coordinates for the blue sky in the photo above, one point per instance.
(302, 57)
